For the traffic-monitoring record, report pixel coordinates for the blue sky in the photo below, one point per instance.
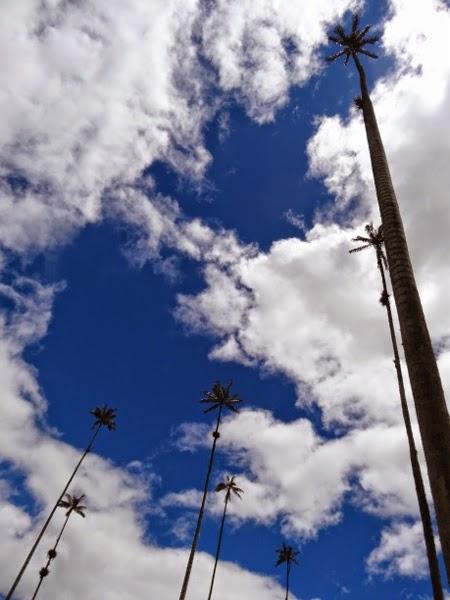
(113, 331)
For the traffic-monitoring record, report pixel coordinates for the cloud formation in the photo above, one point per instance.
(309, 310)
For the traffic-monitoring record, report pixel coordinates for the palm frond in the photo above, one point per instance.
(211, 408)
(73, 503)
(353, 42)
(358, 102)
(373, 39)
(334, 39)
(340, 31)
(220, 396)
(364, 31)
(105, 416)
(286, 554)
(333, 57)
(369, 54)
(230, 485)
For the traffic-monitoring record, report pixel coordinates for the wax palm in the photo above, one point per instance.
(286, 554)
(374, 239)
(72, 504)
(230, 488)
(104, 417)
(352, 43)
(219, 398)
(432, 413)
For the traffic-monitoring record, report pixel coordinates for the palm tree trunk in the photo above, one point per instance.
(219, 544)
(52, 512)
(288, 571)
(424, 509)
(187, 573)
(432, 413)
(49, 560)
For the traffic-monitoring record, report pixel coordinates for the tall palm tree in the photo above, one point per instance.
(286, 554)
(219, 398)
(374, 239)
(104, 417)
(73, 504)
(432, 413)
(231, 488)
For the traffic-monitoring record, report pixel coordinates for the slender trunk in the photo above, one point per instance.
(288, 571)
(187, 573)
(50, 516)
(424, 509)
(432, 413)
(219, 544)
(49, 560)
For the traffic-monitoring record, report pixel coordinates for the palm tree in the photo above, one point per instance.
(104, 417)
(286, 554)
(432, 413)
(374, 239)
(73, 504)
(231, 488)
(219, 398)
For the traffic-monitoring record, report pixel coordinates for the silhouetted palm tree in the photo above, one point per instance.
(432, 413)
(73, 504)
(287, 554)
(374, 239)
(231, 488)
(104, 417)
(219, 397)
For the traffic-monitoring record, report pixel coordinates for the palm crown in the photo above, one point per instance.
(230, 485)
(220, 396)
(286, 554)
(374, 239)
(104, 417)
(73, 504)
(352, 43)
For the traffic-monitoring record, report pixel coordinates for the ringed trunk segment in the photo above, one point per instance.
(49, 560)
(288, 570)
(187, 574)
(424, 509)
(219, 545)
(424, 376)
(50, 516)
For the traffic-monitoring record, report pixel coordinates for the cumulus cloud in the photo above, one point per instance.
(108, 555)
(307, 309)
(401, 551)
(291, 473)
(94, 92)
(261, 49)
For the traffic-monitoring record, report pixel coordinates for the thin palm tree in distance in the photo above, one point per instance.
(231, 488)
(432, 413)
(72, 504)
(374, 239)
(219, 398)
(286, 554)
(104, 417)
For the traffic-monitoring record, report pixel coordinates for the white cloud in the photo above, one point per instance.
(107, 554)
(290, 473)
(310, 311)
(91, 95)
(94, 93)
(262, 48)
(401, 551)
